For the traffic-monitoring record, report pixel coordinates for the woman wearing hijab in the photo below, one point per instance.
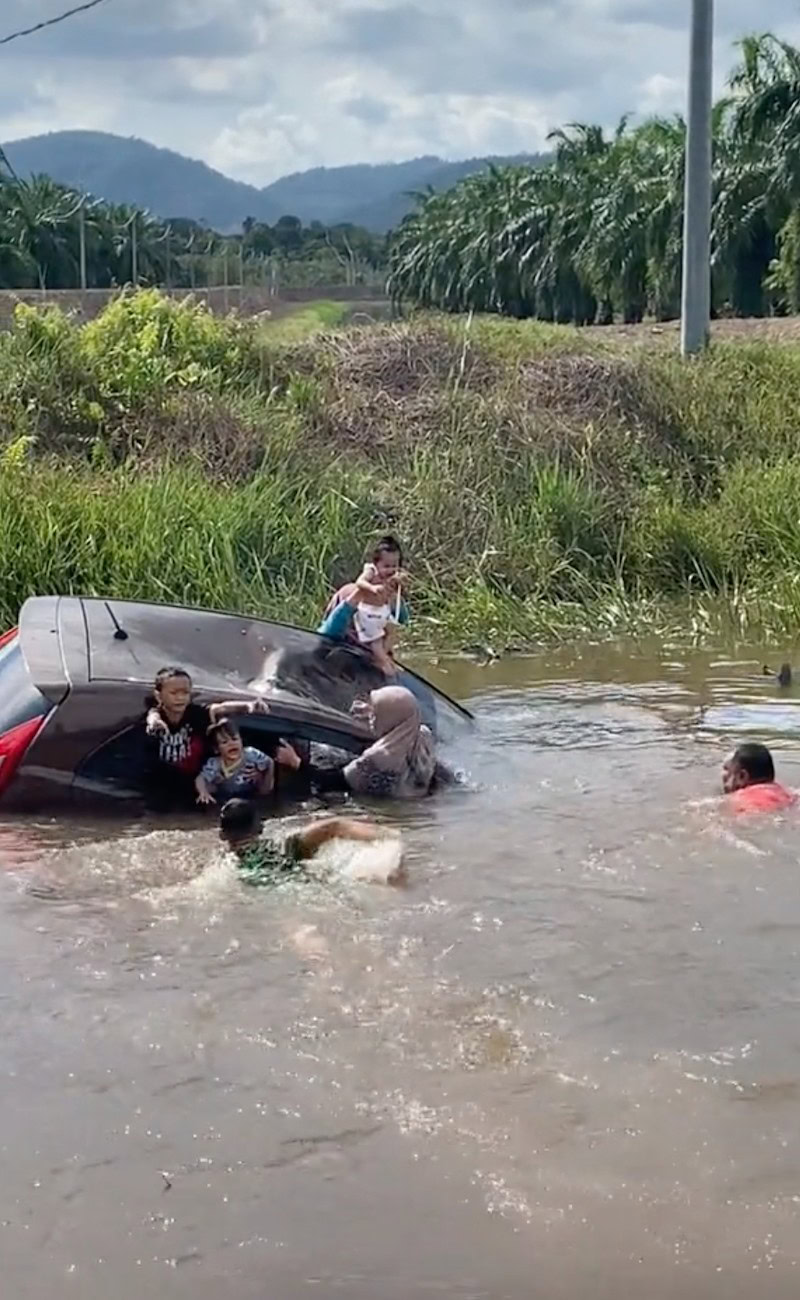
(401, 762)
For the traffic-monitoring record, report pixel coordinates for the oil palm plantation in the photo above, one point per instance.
(40, 238)
(596, 234)
(36, 217)
(765, 121)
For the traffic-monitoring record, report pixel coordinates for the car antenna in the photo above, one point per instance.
(120, 634)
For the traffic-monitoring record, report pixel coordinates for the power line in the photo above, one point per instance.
(51, 22)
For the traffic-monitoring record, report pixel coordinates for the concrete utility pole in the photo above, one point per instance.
(134, 251)
(82, 235)
(696, 289)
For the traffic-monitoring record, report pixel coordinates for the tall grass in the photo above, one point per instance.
(542, 489)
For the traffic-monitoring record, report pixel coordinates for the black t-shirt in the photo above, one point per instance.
(183, 746)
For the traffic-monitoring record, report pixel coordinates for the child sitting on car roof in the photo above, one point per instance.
(367, 611)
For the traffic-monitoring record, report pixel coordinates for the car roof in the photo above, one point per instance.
(42, 648)
(88, 639)
(226, 655)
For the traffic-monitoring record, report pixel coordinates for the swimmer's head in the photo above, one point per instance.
(748, 765)
(239, 825)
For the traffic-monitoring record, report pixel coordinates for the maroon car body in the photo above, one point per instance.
(76, 673)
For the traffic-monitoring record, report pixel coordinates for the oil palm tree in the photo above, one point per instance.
(765, 109)
(37, 216)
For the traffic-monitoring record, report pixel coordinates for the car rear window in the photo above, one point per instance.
(336, 674)
(19, 699)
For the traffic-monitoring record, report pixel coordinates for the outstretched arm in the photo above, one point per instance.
(326, 779)
(234, 708)
(204, 795)
(312, 838)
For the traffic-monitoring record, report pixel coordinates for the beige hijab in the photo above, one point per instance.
(402, 761)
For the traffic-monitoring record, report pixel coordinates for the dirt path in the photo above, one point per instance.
(771, 329)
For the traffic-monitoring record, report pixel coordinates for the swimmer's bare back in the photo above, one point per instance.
(312, 838)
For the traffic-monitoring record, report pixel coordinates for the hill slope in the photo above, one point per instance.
(169, 185)
(387, 211)
(131, 171)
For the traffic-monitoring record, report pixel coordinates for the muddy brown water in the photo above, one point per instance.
(564, 1062)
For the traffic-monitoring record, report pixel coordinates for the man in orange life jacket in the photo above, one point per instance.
(748, 779)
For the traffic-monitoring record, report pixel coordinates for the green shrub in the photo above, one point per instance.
(540, 485)
(144, 343)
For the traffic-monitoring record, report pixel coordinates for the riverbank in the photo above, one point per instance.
(547, 482)
(728, 329)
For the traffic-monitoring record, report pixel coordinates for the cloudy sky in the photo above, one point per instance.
(258, 88)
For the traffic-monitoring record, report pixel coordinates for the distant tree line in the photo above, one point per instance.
(52, 237)
(597, 234)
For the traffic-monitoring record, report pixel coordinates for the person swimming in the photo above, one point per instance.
(263, 859)
(748, 781)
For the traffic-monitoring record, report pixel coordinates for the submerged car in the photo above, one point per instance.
(75, 676)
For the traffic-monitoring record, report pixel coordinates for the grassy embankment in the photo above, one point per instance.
(547, 483)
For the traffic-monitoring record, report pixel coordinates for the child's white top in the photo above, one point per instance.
(370, 622)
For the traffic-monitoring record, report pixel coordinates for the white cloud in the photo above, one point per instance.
(661, 95)
(262, 87)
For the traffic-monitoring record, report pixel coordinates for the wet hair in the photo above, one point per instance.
(238, 819)
(224, 727)
(169, 674)
(386, 545)
(756, 761)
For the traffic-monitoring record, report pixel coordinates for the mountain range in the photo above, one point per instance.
(126, 170)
